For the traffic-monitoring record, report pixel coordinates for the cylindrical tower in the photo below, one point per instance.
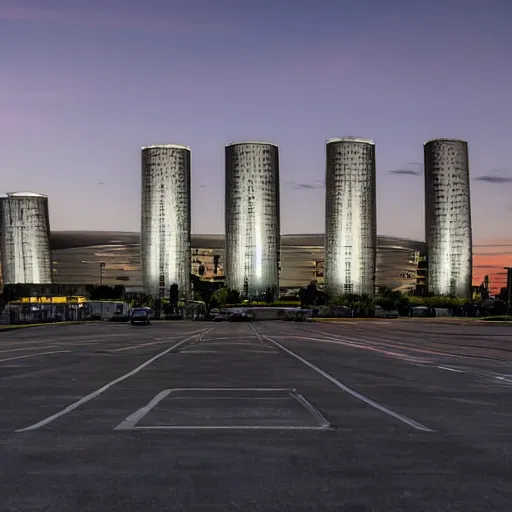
(350, 216)
(25, 239)
(165, 219)
(252, 218)
(448, 218)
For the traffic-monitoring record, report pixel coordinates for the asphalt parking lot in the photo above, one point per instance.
(269, 416)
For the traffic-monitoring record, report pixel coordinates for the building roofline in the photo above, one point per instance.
(25, 194)
(166, 146)
(260, 143)
(350, 139)
(444, 140)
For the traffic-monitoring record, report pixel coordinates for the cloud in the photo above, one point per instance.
(306, 186)
(496, 176)
(96, 19)
(407, 172)
(499, 253)
(488, 178)
(203, 186)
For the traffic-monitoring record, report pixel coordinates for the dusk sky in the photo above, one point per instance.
(85, 83)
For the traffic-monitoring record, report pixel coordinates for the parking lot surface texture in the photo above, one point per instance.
(268, 416)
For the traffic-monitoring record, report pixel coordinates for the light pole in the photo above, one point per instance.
(102, 265)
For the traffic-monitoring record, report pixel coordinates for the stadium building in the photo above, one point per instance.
(113, 258)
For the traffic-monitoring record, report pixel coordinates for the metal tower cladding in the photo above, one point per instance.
(25, 238)
(165, 219)
(350, 216)
(252, 217)
(448, 217)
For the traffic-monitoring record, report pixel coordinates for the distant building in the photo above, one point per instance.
(165, 219)
(25, 239)
(350, 218)
(252, 217)
(448, 218)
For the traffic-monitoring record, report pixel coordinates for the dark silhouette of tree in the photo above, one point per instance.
(105, 292)
(174, 296)
(308, 296)
(157, 306)
(270, 294)
(233, 296)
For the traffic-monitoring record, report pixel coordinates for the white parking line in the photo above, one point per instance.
(337, 341)
(336, 382)
(149, 343)
(130, 423)
(36, 354)
(225, 427)
(101, 390)
(450, 369)
(133, 419)
(25, 349)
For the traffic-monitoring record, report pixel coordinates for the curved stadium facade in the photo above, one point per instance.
(113, 258)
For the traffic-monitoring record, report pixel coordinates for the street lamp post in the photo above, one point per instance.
(102, 265)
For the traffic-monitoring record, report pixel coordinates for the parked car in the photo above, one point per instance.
(139, 316)
(221, 316)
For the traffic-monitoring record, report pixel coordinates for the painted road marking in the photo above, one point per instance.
(337, 341)
(149, 343)
(225, 427)
(130, 423)
(37, 354)
(199, 351)
(449, 369)
(355, 394)
(104, 388)
(133, 419)
(25, 349)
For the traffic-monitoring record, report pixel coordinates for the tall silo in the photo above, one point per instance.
(25, 239)
(448, 217)
(350, 216)
(165, 219)
(252, 218)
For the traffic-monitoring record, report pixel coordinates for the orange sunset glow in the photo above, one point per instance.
(490, 260)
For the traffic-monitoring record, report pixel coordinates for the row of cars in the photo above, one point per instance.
(230, 315)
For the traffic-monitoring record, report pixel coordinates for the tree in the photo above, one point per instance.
(388, 299)
(174, 295)
(270, 294)
(233, 296)
(365, 305)
(158, 308)
(308, 296)
(204, 288)
(220, 296)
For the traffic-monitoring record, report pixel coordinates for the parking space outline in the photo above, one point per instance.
(131, 422)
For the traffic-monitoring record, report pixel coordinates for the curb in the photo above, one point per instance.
(9, 328)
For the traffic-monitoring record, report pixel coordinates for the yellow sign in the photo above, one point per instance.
(53, 300)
